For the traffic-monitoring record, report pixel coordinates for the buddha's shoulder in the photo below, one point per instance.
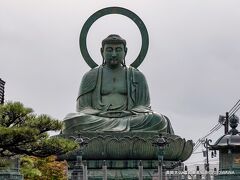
(89, 80)
(138, 74)
(91, 74)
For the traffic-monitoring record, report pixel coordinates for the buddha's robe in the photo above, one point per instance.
(132, 111)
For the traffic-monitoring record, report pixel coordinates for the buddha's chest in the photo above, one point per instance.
(114, 82)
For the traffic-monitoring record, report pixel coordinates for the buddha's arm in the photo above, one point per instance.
(84, 104)
(84, 100)
(141, 102)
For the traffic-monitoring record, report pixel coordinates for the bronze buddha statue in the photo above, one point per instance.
(114, 97)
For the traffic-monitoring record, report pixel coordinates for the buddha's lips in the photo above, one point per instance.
(114, 61)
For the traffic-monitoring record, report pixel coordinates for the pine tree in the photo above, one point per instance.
(24, 133)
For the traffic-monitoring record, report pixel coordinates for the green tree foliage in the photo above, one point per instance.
(4, 163)
(23, 132)
(43, 168)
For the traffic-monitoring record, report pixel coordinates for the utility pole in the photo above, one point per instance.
(205, 154)
(226, 124)
(2, 83)
(224, 120)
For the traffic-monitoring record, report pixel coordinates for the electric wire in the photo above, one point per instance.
(236, 109)
(232, 109)
(201, 140)
(214, 129)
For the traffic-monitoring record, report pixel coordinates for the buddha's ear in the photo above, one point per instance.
(126, 49)
(102, 55)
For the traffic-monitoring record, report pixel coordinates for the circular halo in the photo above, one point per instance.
(113, 10)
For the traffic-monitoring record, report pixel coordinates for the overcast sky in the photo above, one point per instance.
(192, 65)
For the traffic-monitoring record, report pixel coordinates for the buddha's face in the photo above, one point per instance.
(113, 54)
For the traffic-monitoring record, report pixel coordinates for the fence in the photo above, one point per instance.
(81, 172)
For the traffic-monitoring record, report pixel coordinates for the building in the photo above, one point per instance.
(228, 146)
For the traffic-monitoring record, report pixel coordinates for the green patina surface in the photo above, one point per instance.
(123, 164)
(129, 146)
(114, 97)
(114, 10)
(114, 113)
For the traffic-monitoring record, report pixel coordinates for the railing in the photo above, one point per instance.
(81, 172)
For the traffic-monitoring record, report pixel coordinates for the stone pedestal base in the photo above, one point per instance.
(122, 152)
(129, 146)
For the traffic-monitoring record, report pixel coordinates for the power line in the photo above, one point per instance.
(199, 142)
(231, 112)
(230, 115)
(237, 104)
(236, 109)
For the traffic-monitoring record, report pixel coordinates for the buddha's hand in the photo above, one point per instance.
(89, 110)
(115, 114)
(141, 109)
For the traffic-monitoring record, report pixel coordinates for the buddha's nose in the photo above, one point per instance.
(114, 54)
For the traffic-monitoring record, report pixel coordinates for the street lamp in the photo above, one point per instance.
(77, 173)
(160, 142)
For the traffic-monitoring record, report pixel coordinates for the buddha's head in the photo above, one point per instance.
(114, 51)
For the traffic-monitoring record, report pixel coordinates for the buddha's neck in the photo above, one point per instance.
(117, 68)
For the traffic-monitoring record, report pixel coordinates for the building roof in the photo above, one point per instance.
(230, 140)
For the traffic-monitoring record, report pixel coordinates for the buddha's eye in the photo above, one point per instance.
(118, 49)
(109, 49)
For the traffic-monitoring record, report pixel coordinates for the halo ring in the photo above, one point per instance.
(113, 10)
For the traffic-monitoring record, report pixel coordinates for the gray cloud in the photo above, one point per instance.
(192, 65)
